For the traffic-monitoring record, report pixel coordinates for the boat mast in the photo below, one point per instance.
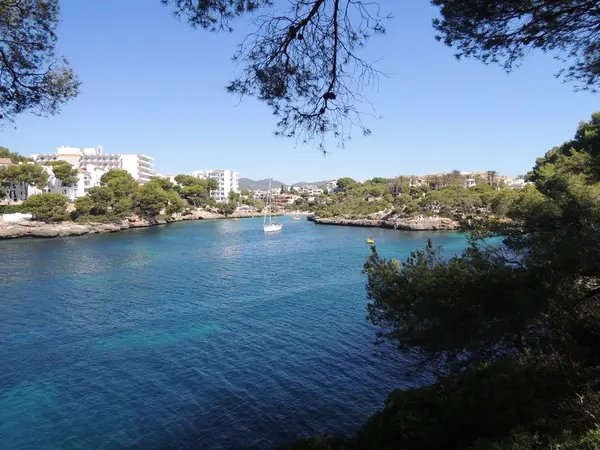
(270, 180)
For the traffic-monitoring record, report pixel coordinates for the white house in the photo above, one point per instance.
(310, 190)
(469, 183)
(86, 178)
(516, 183)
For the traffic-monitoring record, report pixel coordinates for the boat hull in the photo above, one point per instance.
(269, 228)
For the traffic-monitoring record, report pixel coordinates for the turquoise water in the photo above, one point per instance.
(192, 335)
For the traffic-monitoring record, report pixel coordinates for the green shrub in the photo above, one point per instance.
(10, 209)
(47, 207)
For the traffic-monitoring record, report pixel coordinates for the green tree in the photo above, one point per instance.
(123, 207)
(9, 176)
(151, 200)
(211, 185)
(47, 207)
(162, 182)
(176, 204)
(379, 180)
(121, 183)
(346, 183)
(195, 194)
(27, 173)
(64, 172)
(84, 205)
(505, 31)
(301, 60)
(32, 174)
(520, 317)
(227, 208)
(13, 156)
(245, 192)
(102, 198)
(188, 180)
(33, 79)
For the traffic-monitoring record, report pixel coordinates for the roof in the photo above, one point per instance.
(5, 161)
(82, 171)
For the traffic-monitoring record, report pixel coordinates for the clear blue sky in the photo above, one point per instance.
(152, 85)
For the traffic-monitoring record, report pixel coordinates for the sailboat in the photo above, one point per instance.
(269, 226)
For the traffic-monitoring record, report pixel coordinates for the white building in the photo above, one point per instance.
(141, 167)
(227, 181)
(310, 190)
(516, 183)
(86, 178)
(470, 182)
(331, 186)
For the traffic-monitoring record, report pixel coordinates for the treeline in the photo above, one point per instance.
(118, 196)
(405, 198)
(510, 333)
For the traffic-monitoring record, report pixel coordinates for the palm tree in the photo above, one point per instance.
(491, 177)
(456, 178)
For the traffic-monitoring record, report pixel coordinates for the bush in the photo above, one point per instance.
(47, 207)
(10, 209)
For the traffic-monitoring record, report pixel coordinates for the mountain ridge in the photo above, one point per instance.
(250, 184)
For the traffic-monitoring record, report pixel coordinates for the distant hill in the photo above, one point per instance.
(261, 185)
(258, 185)
(314, 183)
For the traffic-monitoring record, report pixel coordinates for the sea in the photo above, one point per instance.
(203, 335)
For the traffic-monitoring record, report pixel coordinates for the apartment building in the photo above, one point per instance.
(310, 190)
(227, 181)
(141, 167)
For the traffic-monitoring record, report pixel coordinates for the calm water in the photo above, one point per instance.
(194, 335)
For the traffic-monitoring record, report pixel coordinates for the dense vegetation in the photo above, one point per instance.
(29, 174)
(510, 332)
(408, 196)
(118, 196)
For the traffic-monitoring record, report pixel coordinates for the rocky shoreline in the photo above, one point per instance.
(12, 230)
(419, 223)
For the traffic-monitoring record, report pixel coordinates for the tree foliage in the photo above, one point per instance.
(195, 190)
(47, 207)
(151, 199)
(505, 31)
(64, 172)
(32, 78)
(302, 59)
(13, 156)
(518, 316)
(121, 183)
(26, 173)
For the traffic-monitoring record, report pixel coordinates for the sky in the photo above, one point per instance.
(153, 85)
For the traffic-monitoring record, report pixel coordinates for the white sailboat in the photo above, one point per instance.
(269, 226)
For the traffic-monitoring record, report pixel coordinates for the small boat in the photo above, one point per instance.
(235, 219)
(296, 218)
(270, 226)
(370, 240)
